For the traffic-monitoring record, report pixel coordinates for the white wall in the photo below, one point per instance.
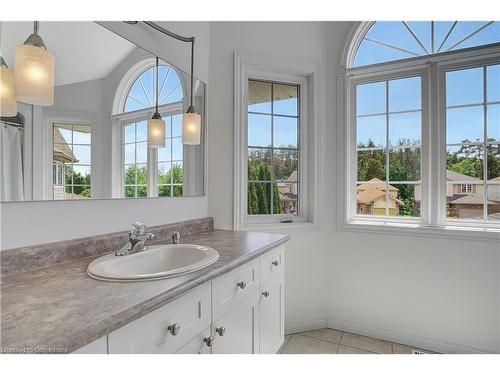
(27, 223)
(306, 280)
(437, 293)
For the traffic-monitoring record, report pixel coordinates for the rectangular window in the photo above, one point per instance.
(388, 120)
(473, 144)
(273, 148)
(170, 172)
(135, 156)
(72, 161)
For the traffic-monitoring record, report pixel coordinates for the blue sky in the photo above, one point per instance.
(463, 88)
(396, 34)
(285, 128)
(171, 88)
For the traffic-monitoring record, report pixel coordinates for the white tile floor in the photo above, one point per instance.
(331, 341)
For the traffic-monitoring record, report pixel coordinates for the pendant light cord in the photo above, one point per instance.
(192, 71)
(157, 73)
(182, 39)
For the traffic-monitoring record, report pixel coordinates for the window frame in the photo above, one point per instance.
(352, 215)
(121, 120)
(433, 224)
(444, 67)
(304, 75)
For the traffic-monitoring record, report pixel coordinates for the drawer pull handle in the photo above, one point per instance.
(220, 331)
(209, 341)
(174, 329)
(265, 294)
(275, 263)
(242, 284)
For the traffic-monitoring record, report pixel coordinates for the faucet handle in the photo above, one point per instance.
(138, 228)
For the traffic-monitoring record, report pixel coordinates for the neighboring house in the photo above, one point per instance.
(494, 189)
(371, 198)
(289, 194)
(465, 196)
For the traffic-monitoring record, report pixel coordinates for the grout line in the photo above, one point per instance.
(317, 338)
(354, 347)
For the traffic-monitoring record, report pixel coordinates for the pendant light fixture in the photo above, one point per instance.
(156, 126)
(191, 121)
(34, 71)
(8, 103)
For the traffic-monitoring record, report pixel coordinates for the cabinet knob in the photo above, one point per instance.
(174, 329)
(209, 341)
(220, 331)
(275, 263)
(265, 294)
(242, 284)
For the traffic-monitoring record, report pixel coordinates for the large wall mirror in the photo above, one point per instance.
(92, 143)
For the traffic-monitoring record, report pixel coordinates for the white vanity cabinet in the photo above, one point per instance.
(237, 332)
(241, 311)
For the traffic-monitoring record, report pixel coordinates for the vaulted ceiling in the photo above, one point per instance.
(83, 50)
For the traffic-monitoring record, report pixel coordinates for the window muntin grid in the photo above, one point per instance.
(170, 159)
(271, 112)
(473, 126)
(382, 107)
(135, 156)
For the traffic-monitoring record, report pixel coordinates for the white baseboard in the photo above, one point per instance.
(293, 327)
(405, 339)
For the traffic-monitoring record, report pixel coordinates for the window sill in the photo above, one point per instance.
(419, 230)
(299, 226)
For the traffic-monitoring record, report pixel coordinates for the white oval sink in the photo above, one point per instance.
(156, 262)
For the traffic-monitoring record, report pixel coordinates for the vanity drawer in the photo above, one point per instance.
(151, 334)
(271, 263)
(233, 287)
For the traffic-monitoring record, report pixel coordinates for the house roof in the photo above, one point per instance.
(455, 176)
(375, 183)
(373, 190)
(496, 179)
(471, 199)
(62, 152)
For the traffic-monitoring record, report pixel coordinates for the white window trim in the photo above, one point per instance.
(432, 222)
(249, 66)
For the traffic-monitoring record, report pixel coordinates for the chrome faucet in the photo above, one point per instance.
(137, 239)
(176, 238)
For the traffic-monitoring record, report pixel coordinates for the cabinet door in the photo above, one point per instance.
(240, 329)
(166, 329)
(196, 345)
(271, 315)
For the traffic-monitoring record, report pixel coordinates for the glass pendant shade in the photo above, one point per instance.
(34, 75)
(8, 103)
(191, 128)
(156, 133)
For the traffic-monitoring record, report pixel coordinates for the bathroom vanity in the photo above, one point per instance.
(238, 312)
(234, 305)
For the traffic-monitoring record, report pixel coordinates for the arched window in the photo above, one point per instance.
(142, 92)
(395, 40)
(422, 121)
(149, 172)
